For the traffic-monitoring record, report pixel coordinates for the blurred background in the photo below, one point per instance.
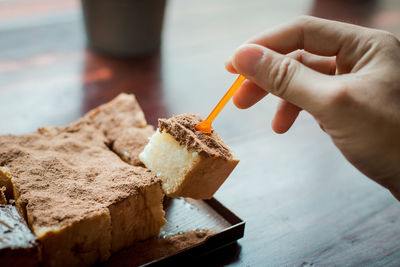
(302, 201)
(48, 76)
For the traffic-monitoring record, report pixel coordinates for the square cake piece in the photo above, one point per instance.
(79, 198)
(190, 163)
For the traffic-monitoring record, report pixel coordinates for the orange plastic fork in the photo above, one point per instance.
(205, 126)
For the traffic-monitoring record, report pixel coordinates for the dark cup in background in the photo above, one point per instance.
(124, 28)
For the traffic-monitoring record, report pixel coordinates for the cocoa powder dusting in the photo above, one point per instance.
(123, 124)
(131, 142)
(65, 174)
(181, 127)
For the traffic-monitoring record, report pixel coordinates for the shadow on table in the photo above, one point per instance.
(104, 77)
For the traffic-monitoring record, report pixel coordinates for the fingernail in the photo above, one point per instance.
(246, 59)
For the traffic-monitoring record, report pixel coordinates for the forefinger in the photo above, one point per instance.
(317, 36)
(249, 93)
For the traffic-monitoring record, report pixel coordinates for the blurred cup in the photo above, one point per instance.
(124, 28)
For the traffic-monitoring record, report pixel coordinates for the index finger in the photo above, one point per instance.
(317, 36)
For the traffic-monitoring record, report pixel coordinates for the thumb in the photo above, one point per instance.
(283, 76)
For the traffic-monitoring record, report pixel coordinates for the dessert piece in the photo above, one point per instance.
(189, 163)
(79, 198)
(18, 246)
(123, 123)
(123, 112)
(131, 142)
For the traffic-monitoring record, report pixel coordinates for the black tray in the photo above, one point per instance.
(223, 227)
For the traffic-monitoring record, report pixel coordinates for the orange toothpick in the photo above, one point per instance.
(205, 126)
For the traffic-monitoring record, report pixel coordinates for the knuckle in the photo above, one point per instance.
(383, 44)
(281, 75)
(339, 97)
(384, 37)
(297, 55)
(304, 19)
(392, 39)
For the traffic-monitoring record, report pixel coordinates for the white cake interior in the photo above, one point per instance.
(169, 160)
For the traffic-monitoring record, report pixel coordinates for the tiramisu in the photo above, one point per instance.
(85, 192)
(190, 163)
(79, 198)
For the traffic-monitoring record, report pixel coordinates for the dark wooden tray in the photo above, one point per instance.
(220, 226)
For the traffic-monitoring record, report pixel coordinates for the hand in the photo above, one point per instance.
(347, 77)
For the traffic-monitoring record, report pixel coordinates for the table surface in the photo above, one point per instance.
(303, 203)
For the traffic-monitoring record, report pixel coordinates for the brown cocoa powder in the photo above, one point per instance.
(65, 174)
(181, 127)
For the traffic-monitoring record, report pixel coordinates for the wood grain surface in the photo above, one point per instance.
(303, 203)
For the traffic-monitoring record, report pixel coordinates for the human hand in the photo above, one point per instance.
(347, 77)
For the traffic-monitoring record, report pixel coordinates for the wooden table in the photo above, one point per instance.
(303, 203)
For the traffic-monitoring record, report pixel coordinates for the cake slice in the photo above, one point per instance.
(123, 123)
(79, 198)
(189, 163)
(131, 142)
(18, 246)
